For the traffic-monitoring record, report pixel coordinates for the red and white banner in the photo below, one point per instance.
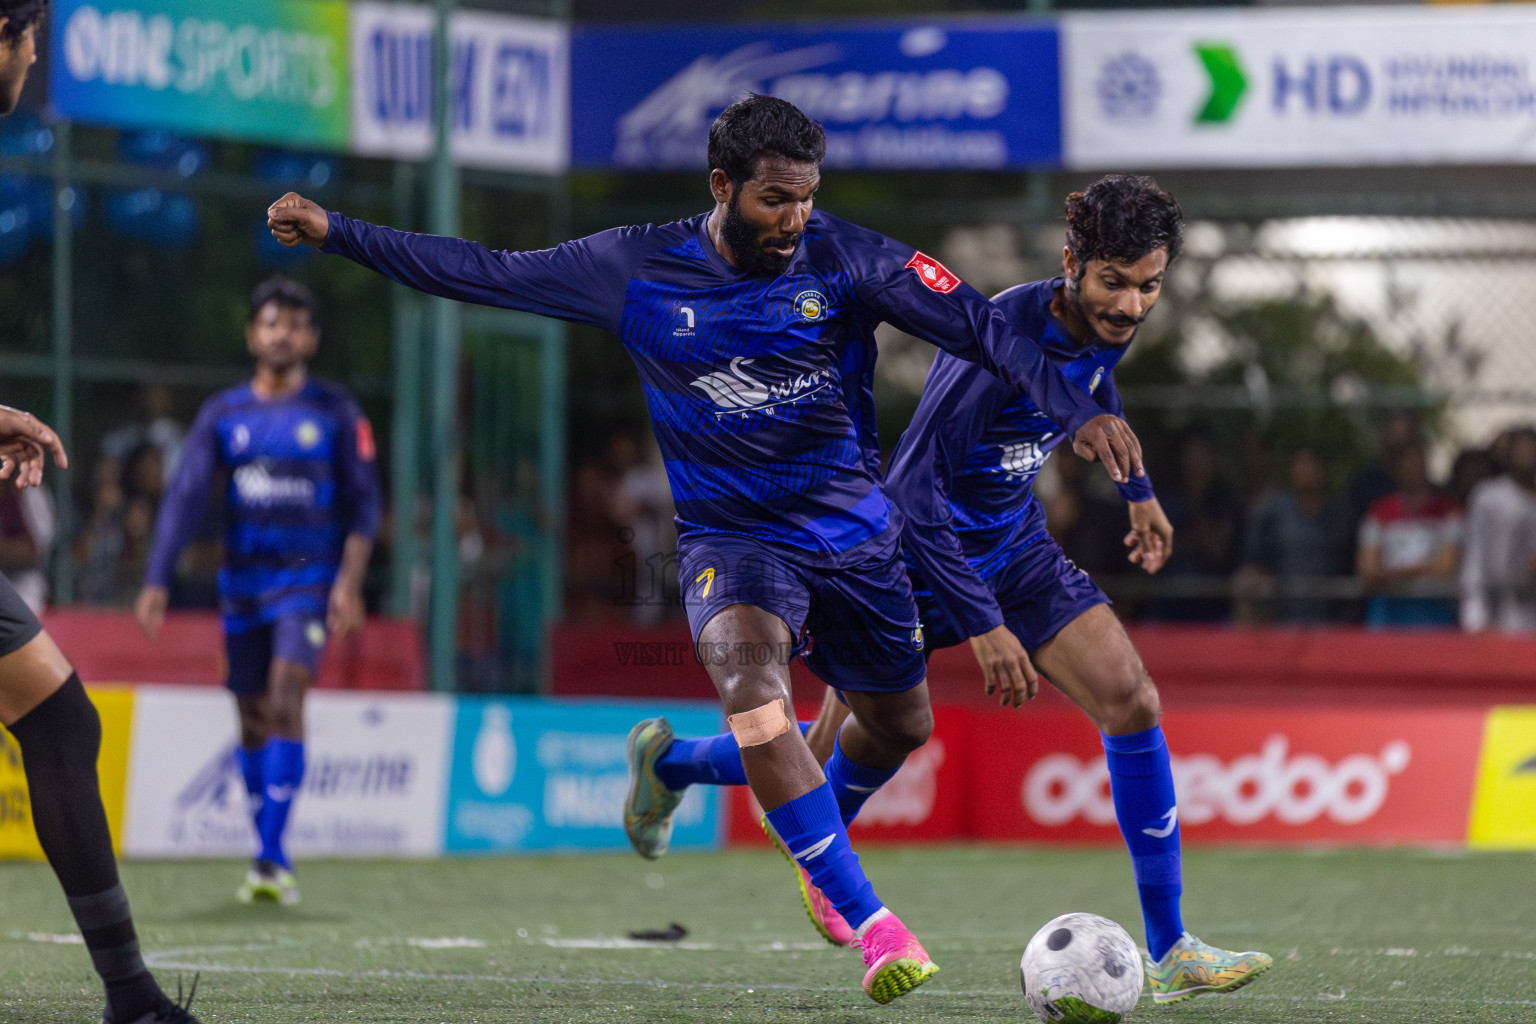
(1252, 775)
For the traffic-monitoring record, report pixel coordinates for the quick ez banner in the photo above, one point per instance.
(1317, 86)
(954, 95)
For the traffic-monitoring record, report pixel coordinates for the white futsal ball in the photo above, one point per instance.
(1081, 969)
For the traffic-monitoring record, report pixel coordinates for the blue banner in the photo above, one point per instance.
(952, 95)
(534, 774)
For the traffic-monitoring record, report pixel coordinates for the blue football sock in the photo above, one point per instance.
(813, 831)
(249, 759)
(852, 784)
(282, 767)
(1141, 782)
(711, 761)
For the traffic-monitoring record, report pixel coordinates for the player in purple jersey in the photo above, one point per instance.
(44, 705)
(302, 511)
(745, 323)
(984, 570)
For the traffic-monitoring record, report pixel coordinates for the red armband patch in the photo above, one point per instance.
(365, 448)
(933, 273)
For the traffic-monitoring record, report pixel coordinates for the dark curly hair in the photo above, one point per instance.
(20, 15)
(1121, 218)
(760, 126)
(288, 294)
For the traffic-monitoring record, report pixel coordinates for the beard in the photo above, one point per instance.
(742, 240)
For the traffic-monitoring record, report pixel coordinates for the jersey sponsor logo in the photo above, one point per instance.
(738, 391)
(257, 486)
(365, 446)
(934, 274)
(685, 318)
(307, 433)
(811, 305)
(1019, 459)
(1293, 788)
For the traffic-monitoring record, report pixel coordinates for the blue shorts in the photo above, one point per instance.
(857, 615)
(250, 652)
(1040, 591)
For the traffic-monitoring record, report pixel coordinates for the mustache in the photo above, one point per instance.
(1121, 320)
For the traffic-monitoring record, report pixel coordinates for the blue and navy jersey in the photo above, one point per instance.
(301, 478)
(748, 378)
(963, 471)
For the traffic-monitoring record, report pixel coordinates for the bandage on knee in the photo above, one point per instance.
(760, 725)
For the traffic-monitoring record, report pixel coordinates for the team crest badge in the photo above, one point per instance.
(917, 638)
(811, 305)
(307, 434)
(1098, 378)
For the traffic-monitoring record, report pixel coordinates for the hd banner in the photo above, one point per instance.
(951, 95)
(1309, 87)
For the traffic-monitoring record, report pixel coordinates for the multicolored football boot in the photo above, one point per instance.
(897, 962)
(1191, 968)
(648, 807)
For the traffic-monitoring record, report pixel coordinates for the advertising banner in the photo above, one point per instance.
(1504, 809)
(925, 802)
(260, 69)
(511, 94)
(1255, 775)
(956, 95)
(1309, 87)
(373, 785)
(532, 774)
(17, 837)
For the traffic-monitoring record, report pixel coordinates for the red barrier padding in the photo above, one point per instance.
(106, 646)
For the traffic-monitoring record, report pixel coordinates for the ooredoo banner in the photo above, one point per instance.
(374, 781)
(1318, 86)
(1347, 776)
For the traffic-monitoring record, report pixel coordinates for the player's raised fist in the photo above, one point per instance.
(294, 220)
(1108, 439)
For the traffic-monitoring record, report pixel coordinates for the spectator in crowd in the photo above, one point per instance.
(28, 527)
(1377, 479)
(100, 541)
(1409, 546)
(642, 506)
(153, 426)
(1298, 538)
(1471, 467)
(1498, 572)
(1207, 516)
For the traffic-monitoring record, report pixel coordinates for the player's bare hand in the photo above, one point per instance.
(1005, 666)
(345, 612)
(1108, 439)
(294, 220)
(149, 610)
(1151, 536)
(25, 443)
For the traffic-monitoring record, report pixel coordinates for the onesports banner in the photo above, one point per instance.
(274, 70)
(1319, 86)
(17, 838)
(316, 73)
(946, 94)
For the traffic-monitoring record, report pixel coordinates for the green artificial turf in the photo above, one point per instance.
(1378, 936)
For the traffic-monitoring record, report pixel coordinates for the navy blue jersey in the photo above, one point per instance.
(748, 378)
(301, 479)
(963, 471)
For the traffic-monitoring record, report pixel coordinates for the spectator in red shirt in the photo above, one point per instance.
(1410, 546)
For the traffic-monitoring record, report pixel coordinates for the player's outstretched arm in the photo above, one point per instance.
(25, 444)
(294, 220)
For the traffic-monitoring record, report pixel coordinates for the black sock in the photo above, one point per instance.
(59, 742)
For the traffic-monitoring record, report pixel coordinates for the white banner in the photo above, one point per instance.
(511, 87)
(374, 783)
(1301, 87)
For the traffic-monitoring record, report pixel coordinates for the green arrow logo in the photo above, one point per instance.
(1227, 82)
